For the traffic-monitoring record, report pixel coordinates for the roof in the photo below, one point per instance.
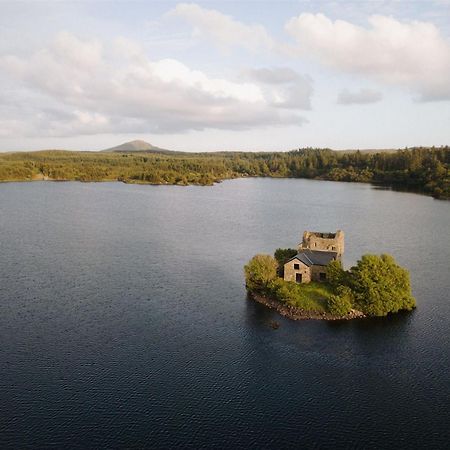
(314, 257)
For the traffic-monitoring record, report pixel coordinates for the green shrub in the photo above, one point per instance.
(284, 291)
(341, 303)
(336, 275)
(260, 272)
(380, 286)
(283, 255)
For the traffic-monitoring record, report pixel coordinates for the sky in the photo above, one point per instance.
(224, 75)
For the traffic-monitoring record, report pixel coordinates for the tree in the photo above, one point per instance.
(260, 272)
(341, 303)
(283, 255)
(336, 275)
(380, 286)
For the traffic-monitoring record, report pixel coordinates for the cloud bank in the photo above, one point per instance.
(76, 86)
(408, 54)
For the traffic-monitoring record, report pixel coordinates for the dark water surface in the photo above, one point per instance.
(124, 320)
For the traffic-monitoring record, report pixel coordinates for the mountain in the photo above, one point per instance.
(135, 146)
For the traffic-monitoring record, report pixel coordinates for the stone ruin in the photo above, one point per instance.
(327, 242)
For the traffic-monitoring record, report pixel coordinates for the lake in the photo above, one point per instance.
(124, 320)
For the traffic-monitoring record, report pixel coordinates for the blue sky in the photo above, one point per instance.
(224, 75)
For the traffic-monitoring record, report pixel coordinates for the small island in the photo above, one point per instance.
(310, 282)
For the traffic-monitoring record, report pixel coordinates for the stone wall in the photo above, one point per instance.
(316, 271)
(290, 272)
(332, 242)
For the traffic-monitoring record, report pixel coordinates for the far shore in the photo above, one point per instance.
(375, 185)
(420, 169)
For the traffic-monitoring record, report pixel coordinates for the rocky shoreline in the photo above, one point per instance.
(293, 313)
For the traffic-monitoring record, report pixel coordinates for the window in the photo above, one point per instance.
(296, 266)
(298, 277)
(322, 276)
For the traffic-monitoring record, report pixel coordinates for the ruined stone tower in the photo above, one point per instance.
(327, 242)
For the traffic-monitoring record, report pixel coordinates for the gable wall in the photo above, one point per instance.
(289, 271)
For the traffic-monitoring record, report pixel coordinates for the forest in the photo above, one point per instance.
(418, 169)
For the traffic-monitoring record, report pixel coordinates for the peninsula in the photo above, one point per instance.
(310, 282)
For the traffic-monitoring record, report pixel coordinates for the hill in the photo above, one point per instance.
(135, 146)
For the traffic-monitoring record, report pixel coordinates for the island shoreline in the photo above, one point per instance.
(294, 313)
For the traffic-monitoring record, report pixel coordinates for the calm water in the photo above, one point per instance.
(124, 320)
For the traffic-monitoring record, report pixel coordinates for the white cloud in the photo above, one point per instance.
(275, 75)
(222, 28)
(410, 54)
(284, 86)
(361, 97)
(78, 86)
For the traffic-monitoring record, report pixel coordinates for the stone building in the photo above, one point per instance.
(314, 253)
(330, 242)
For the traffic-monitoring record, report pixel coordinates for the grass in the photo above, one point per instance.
(308, 296)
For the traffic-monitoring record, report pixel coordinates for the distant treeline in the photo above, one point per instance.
(421, 169)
